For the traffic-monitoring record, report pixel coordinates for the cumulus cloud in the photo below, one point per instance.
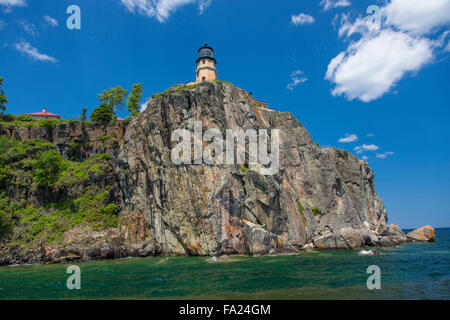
(417, 16)
(384, 155)
(348, 138)
(51, 21)
(366, 147)
(371, 66)
(331, 4)
(8, 4)
(302, 19)
(26, 49)
(161, 9)
(297, 79)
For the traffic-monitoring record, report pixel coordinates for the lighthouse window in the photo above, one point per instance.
(204, 61)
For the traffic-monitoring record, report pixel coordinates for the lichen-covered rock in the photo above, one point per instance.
(424, 234)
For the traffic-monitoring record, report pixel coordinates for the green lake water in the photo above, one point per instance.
(410, 271)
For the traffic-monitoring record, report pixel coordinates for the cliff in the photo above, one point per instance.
(130, 199)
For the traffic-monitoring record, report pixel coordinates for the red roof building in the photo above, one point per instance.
(44, 115)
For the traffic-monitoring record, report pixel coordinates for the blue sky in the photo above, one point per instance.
(327, 62)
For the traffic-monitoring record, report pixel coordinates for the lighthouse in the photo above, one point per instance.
(206, 64)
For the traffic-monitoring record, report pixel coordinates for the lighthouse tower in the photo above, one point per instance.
(206, 64)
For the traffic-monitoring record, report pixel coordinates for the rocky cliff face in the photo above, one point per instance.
(319, 198)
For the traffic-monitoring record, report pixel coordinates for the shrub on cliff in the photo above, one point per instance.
(47, 167)
(102, 114)
(25, 118)
(7, 117)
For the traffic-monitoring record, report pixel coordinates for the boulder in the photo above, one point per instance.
(370, 239)
(394, 231)
(424, 234)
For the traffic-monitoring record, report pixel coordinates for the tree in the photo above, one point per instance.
(134, 100)
(114, 97)
(102, 114)
(47, 167)
(3, 99)
(83, 115)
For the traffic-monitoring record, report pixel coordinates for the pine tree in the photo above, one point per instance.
(3, 100)
(114, 97)
(134, 100)
(83, 115)
(102, 114)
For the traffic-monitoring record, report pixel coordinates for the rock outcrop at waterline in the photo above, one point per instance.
(322, 198)
(423, 234)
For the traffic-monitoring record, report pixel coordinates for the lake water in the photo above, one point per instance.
(410, 271)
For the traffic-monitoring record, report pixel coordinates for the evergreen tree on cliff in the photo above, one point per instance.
(114, 97)
(134, 100)
(83, 115)
(3, 100)
(102, 114)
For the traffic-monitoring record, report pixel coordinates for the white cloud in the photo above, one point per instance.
(348, 138)
(447, 48)
(365, 158)
(384, 155)
(25, 48)
(302, 19)
(143, 106)
(161, 9)
(203, 5)
(8, 4)
(370, 135)
(364, 26)
(417, 16)
(297, 79)
(366, 147)
(28, 27)
(371, 66)
(51, 21)
(331, 4)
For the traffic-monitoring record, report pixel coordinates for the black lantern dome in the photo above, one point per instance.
(206, 52)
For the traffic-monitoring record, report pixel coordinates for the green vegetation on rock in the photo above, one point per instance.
(102, 115)
(63, 192)
(316, 211)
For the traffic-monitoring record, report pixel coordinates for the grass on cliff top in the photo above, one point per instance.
(181, 87)
(28, 121)
(35, 167)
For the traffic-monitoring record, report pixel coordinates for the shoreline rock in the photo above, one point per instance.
(423, 234)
